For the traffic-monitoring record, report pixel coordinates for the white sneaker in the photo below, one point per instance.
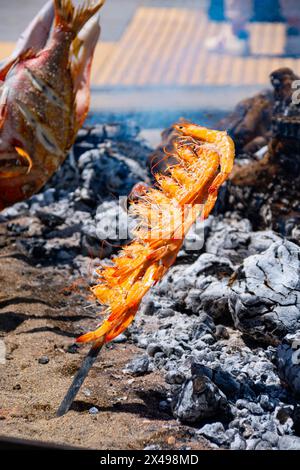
(227, 42)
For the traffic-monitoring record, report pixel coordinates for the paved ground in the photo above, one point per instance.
(148, 45)
(116, 14)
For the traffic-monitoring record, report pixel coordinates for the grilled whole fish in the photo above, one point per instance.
(44, 95)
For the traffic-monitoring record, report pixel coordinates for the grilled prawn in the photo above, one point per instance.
(44, 95)
(203, 161)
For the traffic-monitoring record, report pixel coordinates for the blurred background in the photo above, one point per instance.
(160, 59)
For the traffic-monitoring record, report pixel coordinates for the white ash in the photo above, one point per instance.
(200, 325)
(185, 344)
(265, 298)
(288, 359)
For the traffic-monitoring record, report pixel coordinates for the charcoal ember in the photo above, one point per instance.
(222, 379)
(271, 437)
(262, 240)
(229, 239)
(265, 299)
(50, 218)
(113, 131)
(104, 171)
(215, 433)
(222, 332)
(201, 286)
(47, 197)
(26, 226)
(121, 131)
(64, 247)
(265, 196)
(209, 265)
(107, 228)
(174, 377)
(91, 247)
(21, 208)
(238, 443)
(288, 361)
(263, 445)
(33, 248)
(147, 307)
(213, 300)
(90, 134)
(285, 151)
(203, 325)
(289, 443)
(199, 398)
(234, 239)
(296, 419)
(138, 366)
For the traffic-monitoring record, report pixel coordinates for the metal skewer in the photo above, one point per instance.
(79, 378)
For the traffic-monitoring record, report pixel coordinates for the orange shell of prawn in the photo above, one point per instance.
(166, 212)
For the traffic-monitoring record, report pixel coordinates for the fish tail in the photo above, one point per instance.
(74, 18)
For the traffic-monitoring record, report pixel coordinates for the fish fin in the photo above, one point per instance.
(70, 18)
(18, 55)
(37, 32)
(83, 49)
(5, 67)
(29, 53)
(8, 64)
(23, 154)
(3, 112)
(3, 108)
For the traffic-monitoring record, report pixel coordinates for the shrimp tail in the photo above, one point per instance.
(73, 19)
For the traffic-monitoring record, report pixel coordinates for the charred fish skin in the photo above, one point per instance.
(40, 99)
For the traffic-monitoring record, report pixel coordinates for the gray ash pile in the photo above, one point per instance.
(222, 327)
(60, 223)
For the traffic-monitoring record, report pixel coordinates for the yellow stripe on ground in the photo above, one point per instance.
(267, 38)
(201, 59)
(193, 61)
(124, 55)
(166, 46)
(103, 52)
(154, 47)
(6, 48)
(182, 46)
(170, 48)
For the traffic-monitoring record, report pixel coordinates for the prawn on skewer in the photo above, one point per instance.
(201, 161)
(204, 159)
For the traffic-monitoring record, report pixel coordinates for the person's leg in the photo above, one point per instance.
(235, 41)
(239, 13)
(290, 9)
